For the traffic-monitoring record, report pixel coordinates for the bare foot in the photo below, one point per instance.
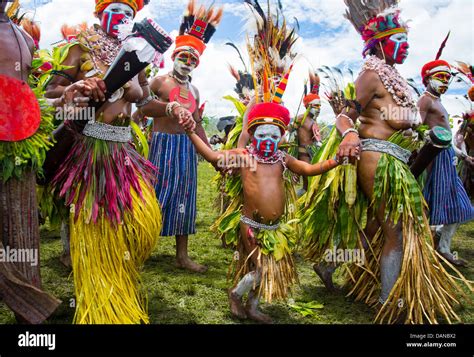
(456, 262)
(65, 259)
(188, 264)
(326, 277)
(256, 315)
(236, 306)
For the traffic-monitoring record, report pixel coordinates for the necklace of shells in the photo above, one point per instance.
(100, 51)
(392, 80)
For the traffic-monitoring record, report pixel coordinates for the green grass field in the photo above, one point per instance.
(180, 297)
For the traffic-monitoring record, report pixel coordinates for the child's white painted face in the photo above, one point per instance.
(266, 139)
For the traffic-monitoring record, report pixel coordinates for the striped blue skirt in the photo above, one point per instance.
(175, 157)
(445, 194)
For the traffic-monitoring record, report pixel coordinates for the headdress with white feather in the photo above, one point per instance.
(270, 48)
(374, 20)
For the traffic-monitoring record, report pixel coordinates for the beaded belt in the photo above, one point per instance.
(257, 225)
(386, 147)
(108, 132)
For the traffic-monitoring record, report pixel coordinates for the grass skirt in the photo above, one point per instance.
(334, 214)
(115, 221)
(275, 248)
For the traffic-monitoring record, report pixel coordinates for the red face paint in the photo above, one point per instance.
(110, 21)
(396, 47)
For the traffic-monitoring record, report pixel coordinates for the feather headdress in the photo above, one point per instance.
(312, 95)
(270, 50)
(374, 20)
(197, 27)
(437, 65)
(244, 81)
(271, 58)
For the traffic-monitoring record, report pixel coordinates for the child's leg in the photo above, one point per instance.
(252, 308)
(249, 281)
(238, 291)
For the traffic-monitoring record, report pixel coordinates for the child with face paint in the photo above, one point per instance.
(448, 201)
(265, 267)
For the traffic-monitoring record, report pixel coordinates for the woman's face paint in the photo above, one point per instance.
(396, 47)
(266, 139)
(440, 81)
(184, 63)
(113, 15)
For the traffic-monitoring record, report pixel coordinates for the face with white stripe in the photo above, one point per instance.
(266, 139)
(114, 15)
(440, 81)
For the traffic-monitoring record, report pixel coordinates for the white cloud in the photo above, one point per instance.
(335, 42)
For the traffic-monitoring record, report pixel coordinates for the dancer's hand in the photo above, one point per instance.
(349, 149)
(77, 95)
(97, 89)
(185, 119)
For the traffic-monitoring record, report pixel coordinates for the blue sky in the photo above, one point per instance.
(326, 38)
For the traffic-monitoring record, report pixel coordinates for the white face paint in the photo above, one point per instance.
(438, 86)
(185, 63)
(268, 131)
(266, 139)
(315, 107)
(118, 7)
(440, 82)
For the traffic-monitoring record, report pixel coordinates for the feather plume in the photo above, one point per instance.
(218, 16)
(443, 45)
(359, 12)
(234, 73)
(240, 55)
(210, 14)
(314, 81)
(191, 7)
(464, 68)
(201, 12)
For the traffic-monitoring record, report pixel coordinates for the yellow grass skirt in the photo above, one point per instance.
(107, 260)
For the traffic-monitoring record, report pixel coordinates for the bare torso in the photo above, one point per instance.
(16, 51)
(435, 113)
(382, 116)
(264, 192)
(305, 131)
(162, 87)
